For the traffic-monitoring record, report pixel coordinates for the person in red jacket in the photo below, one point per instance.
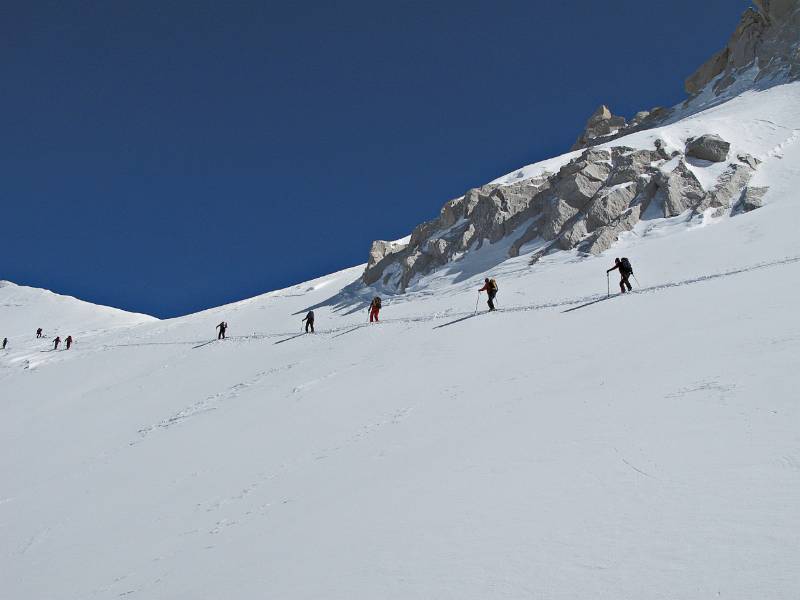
(69, 342)
(374, 309)
(490, 287)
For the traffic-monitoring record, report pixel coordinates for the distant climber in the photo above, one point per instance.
(56, 342)
(5, 343)
(69, 342)
(625, 271)
(222, 328)
(490, 287)
(374, 309)
(309, 319)
(38, 333)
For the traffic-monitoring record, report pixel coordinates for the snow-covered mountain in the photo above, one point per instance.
(571, 445)
(695, 161)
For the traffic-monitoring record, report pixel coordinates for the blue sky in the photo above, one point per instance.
(166, 157)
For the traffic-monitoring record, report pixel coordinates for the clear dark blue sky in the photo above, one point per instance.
(169, 156)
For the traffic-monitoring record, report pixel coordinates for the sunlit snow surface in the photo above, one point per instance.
(568, 446)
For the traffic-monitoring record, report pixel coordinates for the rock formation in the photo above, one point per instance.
(765, 39)
(586, 205)
(606, 191)
(710, 147)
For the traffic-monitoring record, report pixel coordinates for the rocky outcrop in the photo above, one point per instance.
(765, 39)
(601, 124)
(586, 205)
(605, 191)
(752, 198)
(709, 147)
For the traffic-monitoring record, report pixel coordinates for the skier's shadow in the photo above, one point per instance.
(291, 338)
(587, 304)
(204, 344)
(349, 331)
(457, 321)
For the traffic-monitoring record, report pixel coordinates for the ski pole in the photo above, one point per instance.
(478, 299)
(608, 285)
(636, 280)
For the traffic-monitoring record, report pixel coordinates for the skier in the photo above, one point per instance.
(222, 327)
(38, 333)
(57, 341)
(5, 343)
(625, 271)
(309, 319)
(374, 309)
(69, 342)
(490, 287)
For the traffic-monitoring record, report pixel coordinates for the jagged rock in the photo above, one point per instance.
(680, 190)
(765, 39)
(556, 214)
(573, 234)
(775, 9)
(381, 249)
(661, 150)
(601, 123)
(750, 161)
(709, 147)
(729, 186)
(604, 238)
(607, 206)
(752, 198)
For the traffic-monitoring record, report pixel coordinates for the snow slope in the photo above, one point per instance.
(569, 446)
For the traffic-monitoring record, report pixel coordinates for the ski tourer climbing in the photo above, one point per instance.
(490, 287)
(56, 342)
(69, 342)
(309, 319)
(38, 333)
(222, 328)
(625, 271)
(374, 309)
(5, 343)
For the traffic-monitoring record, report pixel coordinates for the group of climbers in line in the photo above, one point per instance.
(68, 341)
(489, 286)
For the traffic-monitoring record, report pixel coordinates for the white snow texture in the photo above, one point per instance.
(568, 446)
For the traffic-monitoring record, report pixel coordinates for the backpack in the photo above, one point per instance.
(376, 302)
(625, 266)
(493, 285)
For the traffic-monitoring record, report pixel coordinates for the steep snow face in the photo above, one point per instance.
(570, 445)
(25, 309)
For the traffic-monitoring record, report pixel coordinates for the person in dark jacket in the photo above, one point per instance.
(38, 333)
(625, 271)
(69, 342)
(490, 287)
(309, 319)
(5, 343)
(56, 342)
(222, 328)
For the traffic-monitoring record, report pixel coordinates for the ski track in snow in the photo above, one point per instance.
(209, 404)
(262, 507)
